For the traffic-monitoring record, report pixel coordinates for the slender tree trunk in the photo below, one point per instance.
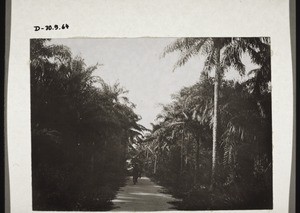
(257, 95)
(147, 155)
(187, 148)
(155, 164)
(92, 158)
(197, 159)
(260, 109)
(215, 118)
(181, 152)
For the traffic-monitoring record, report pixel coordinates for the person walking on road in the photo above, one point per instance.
(135, 173)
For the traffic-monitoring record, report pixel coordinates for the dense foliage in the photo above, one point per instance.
(180, 151)
(80, 131)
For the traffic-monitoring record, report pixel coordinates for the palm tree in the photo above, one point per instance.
(188, 114)
(220, 53)
(260, 53)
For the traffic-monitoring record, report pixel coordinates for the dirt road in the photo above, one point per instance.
(144, 196)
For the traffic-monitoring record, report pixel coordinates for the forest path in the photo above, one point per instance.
(144, 196)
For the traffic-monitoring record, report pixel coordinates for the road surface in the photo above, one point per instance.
(144, 196)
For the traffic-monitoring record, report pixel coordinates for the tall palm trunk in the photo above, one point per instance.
(181, 152)
(215, 117)
(187, 150)
(93, 158)
(197, 159)
(155, 164)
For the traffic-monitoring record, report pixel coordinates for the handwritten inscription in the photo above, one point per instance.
(51, 27)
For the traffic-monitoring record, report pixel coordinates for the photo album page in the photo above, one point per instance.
(149, 106)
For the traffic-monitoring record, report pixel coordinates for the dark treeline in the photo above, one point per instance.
(80, 129)
(237, 173)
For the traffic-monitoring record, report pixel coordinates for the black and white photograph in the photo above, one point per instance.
(151, 123)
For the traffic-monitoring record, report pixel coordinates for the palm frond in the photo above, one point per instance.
(186, 54)
(175, 46)
(232, 57)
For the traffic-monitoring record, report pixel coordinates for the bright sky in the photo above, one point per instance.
(136, 64)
